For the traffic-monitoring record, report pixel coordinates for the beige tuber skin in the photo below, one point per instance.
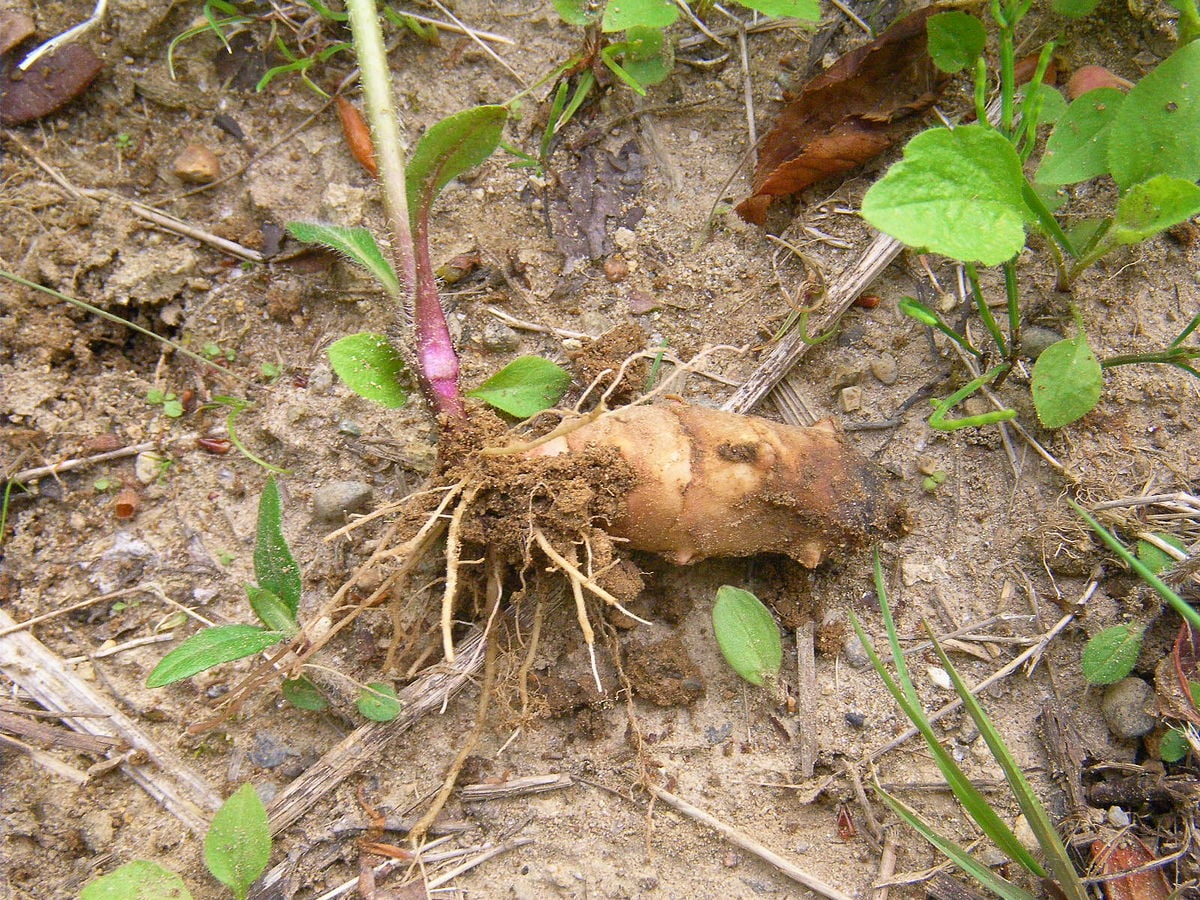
(711, 483)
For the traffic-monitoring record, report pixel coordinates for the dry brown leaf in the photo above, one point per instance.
(48, 85)
(1124, 855)
(847, 115)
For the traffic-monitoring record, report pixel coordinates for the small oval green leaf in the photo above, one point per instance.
(1154, 206)
(1077, 149)
(378, 702)
(274, 566)
(1156, 560)
(137, 880)
(956, 39)
(524, 387)
(809, 10)
(209, 648)
(747, 635)
(1173, 746)
(1109, 656)
(371, 367)
(622, 14)
(1067, 380)
(303, 694)
(237, 847)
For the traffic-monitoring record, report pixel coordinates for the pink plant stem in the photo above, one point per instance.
(436, 361)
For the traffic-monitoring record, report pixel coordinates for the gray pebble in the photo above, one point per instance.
(1035, 339)
(269, 751)
(1127, 708)
(496, 337)
(885, 369)
(854, 653)
(332, 502)
(1117, 817)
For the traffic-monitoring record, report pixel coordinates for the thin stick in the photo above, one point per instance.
(453, 549)
(68, 465)
(887, 868)
(478, 860)
(90, 601)
(482, 46)
(748, 844)
(456, 27)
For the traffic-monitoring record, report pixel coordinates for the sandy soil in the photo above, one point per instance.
(995, 538)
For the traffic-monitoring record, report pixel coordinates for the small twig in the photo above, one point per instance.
(150, 588)
(121, 648)
(456, 27)
(482, 46)
(67, 465)
(748, 844)
(887, 863)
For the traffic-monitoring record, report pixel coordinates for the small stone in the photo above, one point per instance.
(885, 369)
(148, 466)
(641, 302)
(625, 239)
(349, 429)
(1035, 339)
(269, 751)
(1024, 834)
(854, 652)
(496, 337)
(850, 399)
(96, 829)
(335, 500)
(940, 677)
(197, 165)
(856, 719)
(846, 376)
(927, 465)
(1117, 817)
(616, 269)
(1126, 707)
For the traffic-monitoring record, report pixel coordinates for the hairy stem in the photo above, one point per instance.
(436, 361)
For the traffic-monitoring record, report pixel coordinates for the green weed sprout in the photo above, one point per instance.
(747, 634)
(964, 193)
(237, 848)
(1058, 864)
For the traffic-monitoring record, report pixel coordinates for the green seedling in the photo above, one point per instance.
(933, 481)
(172, 406)
(271, 371)
(965, 193)
(300, 65)
(237, 848)
(213, 350)
(1058, 865)
(1110, 655)
(236, 407)
(104, 484)
(124, 140)
(747, 635)
(378, 702)
(274, 600)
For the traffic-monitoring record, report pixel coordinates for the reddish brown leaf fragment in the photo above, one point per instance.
(48, 85)
(357, 135)
(1186, 656)
(1123, 856)
(848, 114)
(15, 27)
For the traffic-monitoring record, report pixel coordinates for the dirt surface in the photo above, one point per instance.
(994, 539)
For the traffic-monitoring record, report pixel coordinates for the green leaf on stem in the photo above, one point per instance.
(137, 880)
(1157, 129)
(371, 367)
(809, 10)
(956, 192)
(237, 847)
(620, 15)
(747, 635)
(956, 40)
(1067, 379)
(209, 648)
(271, 610)
(303, 694)
(274, 566)
(1173, 747)
(649, 56)
(449, 148)
(1077, 149)
(378, 702)
(356, 244)
(1110, 655)
(524, 387)
(576, 12)
(1154, 206)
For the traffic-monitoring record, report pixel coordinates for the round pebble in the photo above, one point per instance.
(854, 653)
(1127, 707)
(332, 502)
(1117, 817)
(196, 164)
(496, 337)
(885, 369)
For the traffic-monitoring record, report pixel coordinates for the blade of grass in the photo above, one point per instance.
(952, 851)
(1059, 862)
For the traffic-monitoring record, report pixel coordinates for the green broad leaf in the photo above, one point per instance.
(272, 611)
(1053, 106)
(1077, 149)
(356, 244)
(209, 648)
(1156, 560)
(956, 40)
(747, 635)
(303, 694)
(274, 566)
(1154, 206)
(371, 367)
(956, 192)
(1074, 9)
(577, 12)
(1157, 129)
(1173, 747)
(649, 56)
(621, 15)
(137, 880)
(953, 851)
(378, 702)
(1109, 656)
(809, 10)
(1067, 380)
(237, 847)
(449, 148)
(524, 387)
